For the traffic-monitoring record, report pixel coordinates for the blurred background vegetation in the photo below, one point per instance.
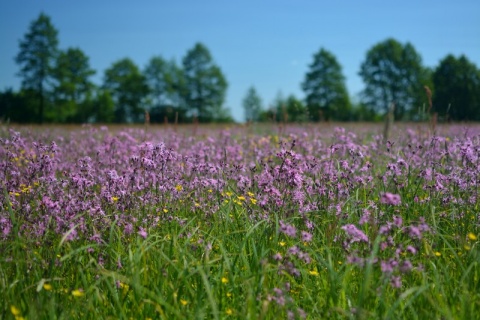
(57, 87)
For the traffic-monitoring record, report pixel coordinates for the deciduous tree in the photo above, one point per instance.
(128, 90)
(205, 84)
(457, 89)
(324, 87)
(73, 87)
(165, 81)
(393, 73)
(36, 58)
(252, 105)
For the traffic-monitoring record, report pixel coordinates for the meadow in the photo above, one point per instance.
(296, 222)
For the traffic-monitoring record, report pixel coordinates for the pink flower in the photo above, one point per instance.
(143, 233)
(390, 198)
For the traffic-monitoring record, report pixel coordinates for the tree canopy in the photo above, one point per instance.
(128, 88)
(326, 95)
(393, 74)
(457, 89)
(72, 85)
(205, 84)
(252, 105)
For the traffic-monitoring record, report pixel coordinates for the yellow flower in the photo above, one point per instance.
(438, 254)
(210, 190)
(77, 293)
(229, 294)
(178, 187)
(241, 198)
(253, 201)
(47, 286)
(229, 312)
(471, 236)
(165, 210)
(467, 247)
(183, 302)
(197, 204)
(224, 280)
(228, 193)
(313, 272)
(282, 243)
(15, 311)
(114, 199)
(250, 194)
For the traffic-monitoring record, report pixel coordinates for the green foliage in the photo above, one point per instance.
(325, 90)
(288, 109)
(393, 73)
(252, 105)
(205, 84)
(19, 107)
(296, 110)
(128, 89)
(73, 86)
(36, 58)
(101, 108)
(166, 82)
(457, 89)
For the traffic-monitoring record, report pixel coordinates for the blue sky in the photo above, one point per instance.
(267, 44)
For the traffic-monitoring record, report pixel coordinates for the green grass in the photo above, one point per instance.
(173, 275)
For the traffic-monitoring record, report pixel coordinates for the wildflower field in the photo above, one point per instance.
(312, 222)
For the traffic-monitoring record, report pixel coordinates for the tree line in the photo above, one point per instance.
(57, 87)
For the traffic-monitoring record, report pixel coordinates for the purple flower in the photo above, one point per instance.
(277, 257)
(396, 281)
(143, 233)
(397, 221)
(414, 232)
(307, 237)
(355, 234)
(288, 229)
(405, 266)
(386, 266)
(411, 249)
(390, 198)
(293, 250)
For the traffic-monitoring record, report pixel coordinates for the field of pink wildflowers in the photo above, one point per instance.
(243, 222)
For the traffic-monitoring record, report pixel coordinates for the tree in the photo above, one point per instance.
(18, 107)
(393, 74)
(128, 90)
(288, 109)
(324, 87)
(296, 110)
(38, 51)
(252, 104)
(205, 84)
(166, 84)
(72, 85)
(457, 89)
(165, 81)
(102, 107)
